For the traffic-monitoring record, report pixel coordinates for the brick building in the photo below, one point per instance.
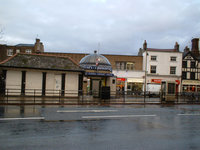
(9, 50)
(127, 68)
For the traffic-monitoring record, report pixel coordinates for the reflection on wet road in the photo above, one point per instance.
(150, 127)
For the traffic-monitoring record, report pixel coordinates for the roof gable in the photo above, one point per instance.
(189, 56)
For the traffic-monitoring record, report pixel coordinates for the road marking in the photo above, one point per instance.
(77, 111)
(28, 118)
(188, 114)
(116, 116)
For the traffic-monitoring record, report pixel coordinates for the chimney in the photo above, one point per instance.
(39, 46)
(145, 45)
(186, 49)
(195, 46)
(176, 47)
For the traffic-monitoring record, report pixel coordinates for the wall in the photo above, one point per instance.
(33, 81)
(71, 84)
(112, 85)
(13, 82)
(163, 62)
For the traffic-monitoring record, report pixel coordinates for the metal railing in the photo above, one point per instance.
(36, 96)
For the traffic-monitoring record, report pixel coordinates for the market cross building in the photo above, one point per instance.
(98, 78)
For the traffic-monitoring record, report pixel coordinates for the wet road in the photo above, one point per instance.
(126, 127)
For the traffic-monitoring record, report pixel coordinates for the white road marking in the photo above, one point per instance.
(28, 118)
(77, 111)
(188, 114)
(116, 116)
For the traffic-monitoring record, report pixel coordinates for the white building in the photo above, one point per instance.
(41, 75)
(162, 65)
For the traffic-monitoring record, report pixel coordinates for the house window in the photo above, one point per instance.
(172, 70)
(124, 66)
(120, 65)
(184, 75)
(153, 69)
(192, 75)
(17, 51)
(173, 58)
(154, 58)
(28, 51)
(171, 88)
(129, 66)
(9, 52)
(184, 65)
(192, 64)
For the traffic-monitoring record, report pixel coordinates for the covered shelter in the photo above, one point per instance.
(98, 78)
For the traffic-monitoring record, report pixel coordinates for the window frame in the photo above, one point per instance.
(153, 58)
(129, 66)
(28, 51)
(194, 64)
(172, 58)
(172, 72)
(153, 69)
(192, 75)
(184, 75)
(184, 64)
(9, 52)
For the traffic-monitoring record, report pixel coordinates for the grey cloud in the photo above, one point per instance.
(120, 26)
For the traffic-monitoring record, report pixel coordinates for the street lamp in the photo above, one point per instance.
(145, 75)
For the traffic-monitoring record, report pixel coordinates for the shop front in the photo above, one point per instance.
(154, 84)
(190, 86)
(134, 85)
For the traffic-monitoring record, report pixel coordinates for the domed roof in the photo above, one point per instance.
(95, 61)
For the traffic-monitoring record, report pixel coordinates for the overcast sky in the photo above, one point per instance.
(112, 26)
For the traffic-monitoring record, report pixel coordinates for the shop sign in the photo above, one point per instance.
(121, 79)
(135, 80)
(98, 74)
(156, 80)
(94, 67)
(178, 82)
(190, 82)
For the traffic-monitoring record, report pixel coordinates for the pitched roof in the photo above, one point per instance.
(161, 50)
(41, 61)
(27, 45)
(191, 54)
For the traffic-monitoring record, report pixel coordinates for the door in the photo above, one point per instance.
(57, 84)
(95, 88)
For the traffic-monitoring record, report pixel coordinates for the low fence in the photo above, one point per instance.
(36, 96)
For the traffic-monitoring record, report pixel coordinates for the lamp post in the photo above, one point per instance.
(145, 76)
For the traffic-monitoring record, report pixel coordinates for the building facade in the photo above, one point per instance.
(191, 68)
(7, 51)
(127, 69)
(162, 65)
(41, 75)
